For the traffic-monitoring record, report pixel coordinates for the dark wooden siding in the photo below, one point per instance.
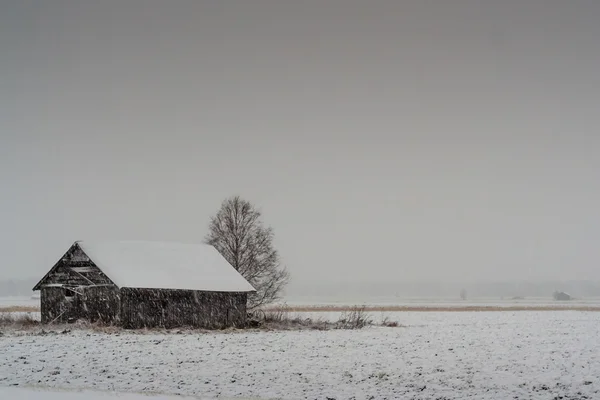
(53, 305)
(75, 269)
(101, 304)
(63, 304)
(149, 308)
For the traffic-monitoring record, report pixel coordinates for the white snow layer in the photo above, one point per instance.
(41, 394)
(158, 265)
(451, 355)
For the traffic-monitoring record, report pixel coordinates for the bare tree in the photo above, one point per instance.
(238, 233)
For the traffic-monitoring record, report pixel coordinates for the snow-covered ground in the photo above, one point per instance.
(15, 393)
(482, 355)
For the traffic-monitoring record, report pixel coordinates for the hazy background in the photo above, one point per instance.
(388, 141)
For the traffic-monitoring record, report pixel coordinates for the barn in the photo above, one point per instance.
(138, 284)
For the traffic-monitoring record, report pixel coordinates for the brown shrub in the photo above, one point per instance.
(389, 323)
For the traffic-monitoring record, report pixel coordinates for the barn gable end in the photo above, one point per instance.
(74, 269)
(75, 288)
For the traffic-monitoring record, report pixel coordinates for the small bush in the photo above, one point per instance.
(385, 321)
(279, 315)
(282, 320)
(355, 319)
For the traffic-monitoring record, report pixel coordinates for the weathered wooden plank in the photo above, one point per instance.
(84, 269)
(77, 274)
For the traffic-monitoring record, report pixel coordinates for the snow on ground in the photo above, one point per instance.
(482, 355)
(13, 393)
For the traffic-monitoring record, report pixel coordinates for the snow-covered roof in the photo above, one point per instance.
(159, 265)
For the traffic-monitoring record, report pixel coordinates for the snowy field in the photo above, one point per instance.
(14, 393)
(459, 355)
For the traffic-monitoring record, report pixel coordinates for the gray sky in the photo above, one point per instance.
(399, 140)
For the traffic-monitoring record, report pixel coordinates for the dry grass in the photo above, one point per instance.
(23, 321)
(283, 318)
(25, 324)
(277, 321)
(19, 309)
(299, 309)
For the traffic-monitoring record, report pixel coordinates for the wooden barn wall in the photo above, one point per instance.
(61, 304)
(101, 304)
(52, 302)
(148, 308)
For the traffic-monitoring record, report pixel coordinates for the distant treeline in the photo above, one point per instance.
(506, 289)
(21, 287)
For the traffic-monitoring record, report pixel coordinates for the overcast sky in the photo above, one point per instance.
(383, 140)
